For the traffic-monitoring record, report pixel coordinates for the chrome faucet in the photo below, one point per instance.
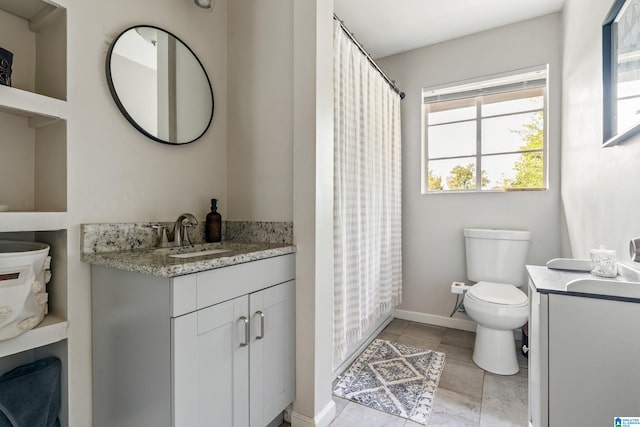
(180, 234)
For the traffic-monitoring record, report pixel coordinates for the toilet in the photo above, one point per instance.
(495, 261)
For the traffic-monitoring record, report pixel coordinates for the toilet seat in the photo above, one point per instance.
(503, 294)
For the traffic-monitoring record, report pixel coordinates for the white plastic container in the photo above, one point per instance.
(23, 300)
(603, 262)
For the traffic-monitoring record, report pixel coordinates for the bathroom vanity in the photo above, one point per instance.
(583, 348)
(193, 340)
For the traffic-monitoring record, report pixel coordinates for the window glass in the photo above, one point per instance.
(512, 102)
(514, 132)
(452, 174)
(506, 171)
(456, 139)
(496, 126)
(451, 111)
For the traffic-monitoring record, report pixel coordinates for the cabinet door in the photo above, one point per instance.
(538, 358)
(272, 359)
(210, 359)
(593, 360)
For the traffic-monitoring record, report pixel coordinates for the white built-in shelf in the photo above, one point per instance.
(52, 329)
(32, 221)
(41, 109)
(37, 12)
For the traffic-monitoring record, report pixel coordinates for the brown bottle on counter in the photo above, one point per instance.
(213, 228)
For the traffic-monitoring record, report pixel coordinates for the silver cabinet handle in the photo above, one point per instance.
(246, 331)
(261, 314)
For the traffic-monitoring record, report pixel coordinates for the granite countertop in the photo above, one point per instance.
(159, 262)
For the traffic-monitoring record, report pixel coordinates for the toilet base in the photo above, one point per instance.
(495, 351)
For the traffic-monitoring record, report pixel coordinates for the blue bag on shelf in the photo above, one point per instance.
(30, 395)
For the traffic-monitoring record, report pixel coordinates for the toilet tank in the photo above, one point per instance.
(495, 255)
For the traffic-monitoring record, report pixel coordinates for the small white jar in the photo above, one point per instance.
(603, 262)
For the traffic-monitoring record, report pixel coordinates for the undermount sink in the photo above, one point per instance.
(191, 251)
(618, 288)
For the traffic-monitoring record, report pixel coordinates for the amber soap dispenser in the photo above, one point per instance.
(213, 229)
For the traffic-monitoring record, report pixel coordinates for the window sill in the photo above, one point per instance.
(508, 190)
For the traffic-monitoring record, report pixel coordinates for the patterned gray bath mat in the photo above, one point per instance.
(394, 378)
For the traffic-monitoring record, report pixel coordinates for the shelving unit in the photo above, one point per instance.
(33, 165)
(33, 112)
(51, 330)
(32, 221)
(25, 103)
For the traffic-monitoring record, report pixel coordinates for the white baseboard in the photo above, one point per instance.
(448, 322)
(323, 419)
(433, 319)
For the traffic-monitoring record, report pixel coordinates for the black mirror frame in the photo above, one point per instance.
(609, 80)
(122, 108)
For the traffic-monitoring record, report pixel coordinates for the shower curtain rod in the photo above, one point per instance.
(366, 54)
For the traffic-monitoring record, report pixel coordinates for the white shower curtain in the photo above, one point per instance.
(367, 195)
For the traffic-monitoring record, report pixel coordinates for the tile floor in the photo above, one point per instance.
(466, 395)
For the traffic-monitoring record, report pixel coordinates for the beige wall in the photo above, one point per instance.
(599, 185)
(280, 108)
(433, 244)
(313, 210)
(260, 110)
(117, 174)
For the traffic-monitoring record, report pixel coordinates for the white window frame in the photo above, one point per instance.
(475, 88)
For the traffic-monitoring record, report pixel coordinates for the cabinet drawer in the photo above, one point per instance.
(195, 291)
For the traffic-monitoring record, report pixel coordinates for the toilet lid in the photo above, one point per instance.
(498, 293)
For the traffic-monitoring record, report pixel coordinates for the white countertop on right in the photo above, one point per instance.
(551, 281)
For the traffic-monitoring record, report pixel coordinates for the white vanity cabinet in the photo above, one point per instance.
(538, 358)
(583, 353)
(214, 348)
(232, 362)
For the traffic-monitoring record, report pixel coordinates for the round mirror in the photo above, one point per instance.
(159, 85)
